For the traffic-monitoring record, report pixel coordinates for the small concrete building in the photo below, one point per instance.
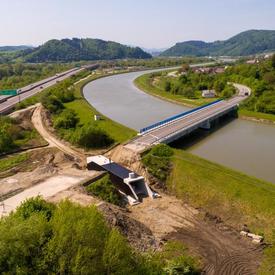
(208, 93)
(130, 184)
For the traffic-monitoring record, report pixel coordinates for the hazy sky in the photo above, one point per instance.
(147, 23)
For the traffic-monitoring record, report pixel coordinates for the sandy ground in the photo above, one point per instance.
(220, 248)
(47, 188)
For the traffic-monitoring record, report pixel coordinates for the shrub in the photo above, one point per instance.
(167, 86)
(228, 91)
(52, 103)
(64, 94)
(157, 161)
(104, 189)
(6, 137)
(35, 205)
(66, 120)
(91, 137)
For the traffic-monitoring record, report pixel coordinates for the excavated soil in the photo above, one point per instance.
(220, 248)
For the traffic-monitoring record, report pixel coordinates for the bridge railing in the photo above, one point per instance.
(170, 119)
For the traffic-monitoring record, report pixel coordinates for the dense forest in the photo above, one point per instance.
(246, 43)
(75, 49)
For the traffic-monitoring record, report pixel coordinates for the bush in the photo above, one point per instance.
(6, 137)
(74, 240)
(66, 120)
(91, 137)
(167, 86)
(63, 93)
(157, 161)
(162, 150)
(104, 189)
(35, 205)
(228, 91)
(52, 103)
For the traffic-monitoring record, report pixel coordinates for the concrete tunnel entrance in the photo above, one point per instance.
(130, 184)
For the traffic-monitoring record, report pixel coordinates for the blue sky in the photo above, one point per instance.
(146, 23)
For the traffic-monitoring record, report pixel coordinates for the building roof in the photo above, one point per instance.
(111, 167)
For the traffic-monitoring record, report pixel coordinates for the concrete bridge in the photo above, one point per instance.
(175, 127)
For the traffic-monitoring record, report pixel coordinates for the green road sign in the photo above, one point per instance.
(8, 92)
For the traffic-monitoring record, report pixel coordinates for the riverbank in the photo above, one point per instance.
(86, 113)
(144, 83)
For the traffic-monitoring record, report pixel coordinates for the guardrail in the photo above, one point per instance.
(162, 122)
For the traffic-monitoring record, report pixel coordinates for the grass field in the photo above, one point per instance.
(235, 197)
(144, 83)
(10, 162)
(257, 115)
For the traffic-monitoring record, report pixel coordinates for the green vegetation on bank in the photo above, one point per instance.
(41, 238)
(84, 131)
(260, 78)
(12, 161)
(73, 116)
(235, 197)
(158, 161)
(185, 86)
(256, 115)
(243, 44)
(185, 89)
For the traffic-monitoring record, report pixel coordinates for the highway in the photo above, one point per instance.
(173, 129)
(35, 88)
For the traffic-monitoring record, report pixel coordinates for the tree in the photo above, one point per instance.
(167, 86)
(52, 103)
(92, 137)
(66, 120)
(117, 257)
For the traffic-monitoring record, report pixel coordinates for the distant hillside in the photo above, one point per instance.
(14, 48)
(82, 49)
(246, 43)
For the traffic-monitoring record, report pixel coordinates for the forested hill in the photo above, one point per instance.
(14, 48)
(246, 43)
(75, 49)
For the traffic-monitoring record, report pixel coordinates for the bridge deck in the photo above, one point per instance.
(167, 132)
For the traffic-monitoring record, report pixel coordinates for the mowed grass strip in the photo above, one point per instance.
(12, 161)
(144, 83)
(257, 115)
(237, 198)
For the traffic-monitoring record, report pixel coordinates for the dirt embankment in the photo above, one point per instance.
(221, 248)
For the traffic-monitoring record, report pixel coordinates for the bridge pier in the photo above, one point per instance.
(206, 125)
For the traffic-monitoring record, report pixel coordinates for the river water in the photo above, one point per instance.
(245, 146)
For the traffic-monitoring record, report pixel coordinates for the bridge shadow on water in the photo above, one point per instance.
(200, 134)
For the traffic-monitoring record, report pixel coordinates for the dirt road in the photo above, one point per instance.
(51, 139)
(47, 188)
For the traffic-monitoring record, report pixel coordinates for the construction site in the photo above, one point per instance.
(57, 170)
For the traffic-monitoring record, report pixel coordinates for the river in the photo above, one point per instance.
(245, 146)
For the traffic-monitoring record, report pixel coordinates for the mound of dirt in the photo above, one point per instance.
(138, 235)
